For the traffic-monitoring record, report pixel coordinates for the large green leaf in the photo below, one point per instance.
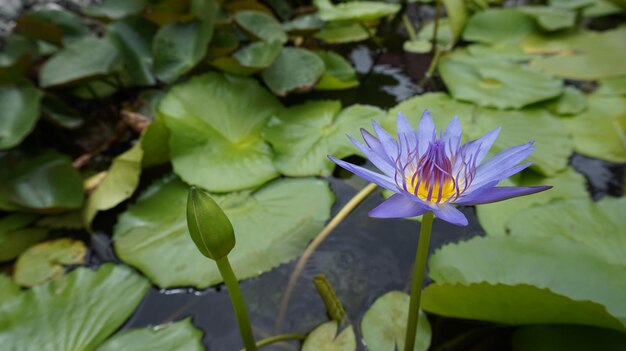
(570, 338)
(384, 324)
(495, 26)
(259, 54)
(526, 280)
(215, 124)
(567, 184)
(261, 25)
(302, 136)
(16, 235)
(179, 46)
(327, 337)
(45, 261)
(76, 312)
(354, 10)
(340, 33)
(598, 225)
(582, 55)
(84, 59)
(612, 86)
(272, 226)
(339, 74)
(46, 182)
(133, 37)
(600, 131)
(120, 182)
(8, 289)
(180, 336)
(571, 102)
(551, 18)
(496, 83)
(295, 69)
(20, 111)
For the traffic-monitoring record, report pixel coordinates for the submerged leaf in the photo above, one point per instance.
(272, 226)
(384, 324)
(45, 261)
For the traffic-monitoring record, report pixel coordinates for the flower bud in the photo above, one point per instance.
(208, 225)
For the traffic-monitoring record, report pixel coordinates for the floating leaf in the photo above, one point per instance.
(327, 337)
(260, 54)
(53, 26)
(523, 280)
(45, 261)
(354, 10)
(502, 51)
(261, 25)
(600, 131)
(15, 48)
(603, 8)
(612, 86)
(178, 47)
(46, 182)
(180, 335)
(155, 150)
(77, 312)
(384, 324)
(83, 59)
(16, 235)
(20, 111)
(341, 33)
(582, 55)
(339, 74)
(120, 182)
(304, 23)
(571, 338)
(550, 18)
(600, 226)
(571, 102)
(496, 83)
(422, 44)
(495, 26)
(567, 184)
(294, 69)
(8, 289)
(133, 37)
(215, 123)
(302, 136)
(115, 9)
(272, 226)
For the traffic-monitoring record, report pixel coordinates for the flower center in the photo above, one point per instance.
(430, 177)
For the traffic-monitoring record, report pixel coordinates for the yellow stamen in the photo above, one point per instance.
(447, 190)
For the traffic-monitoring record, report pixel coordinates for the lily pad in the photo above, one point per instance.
(422, 44)
(53, 26)
(495, 217)
(182, 336)
(271, 226)
(496, 83)
(17, 235)
(295, 69)
(8, 289)
(20, 111)
(582, 55)
(551, 18)
(339, 73)
(341, 33)
(45, 261)
(571, 102)
(598, 225)
(495, 26)
(523, 280)
(84, 59)
(178, 47)
(304, 23)
(260, 54)
(302, 136)
(384, 324)
(77, 312)
(601, 130)
(120, 182)
(612, 86)
(46, 182)
(326, 337)
(354, 10)
(261, 25)
(215, 124)
(133, 37)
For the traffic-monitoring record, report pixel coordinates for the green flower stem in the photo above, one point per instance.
(239, 305)
(419, 269)
(277, 338)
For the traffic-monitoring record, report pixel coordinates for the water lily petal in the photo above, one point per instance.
(377, 178)
(481, 146)
(398, 206)
(407, 137)
(496, 177)
(388, 142)
(452, 136)
(425, 131)
(502, 163)
(450, 214)
(381, 161)
(499, 194)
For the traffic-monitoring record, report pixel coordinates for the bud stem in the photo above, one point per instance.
(239, 305)
(417, 280)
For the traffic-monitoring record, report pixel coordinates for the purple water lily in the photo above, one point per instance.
(430, 173)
